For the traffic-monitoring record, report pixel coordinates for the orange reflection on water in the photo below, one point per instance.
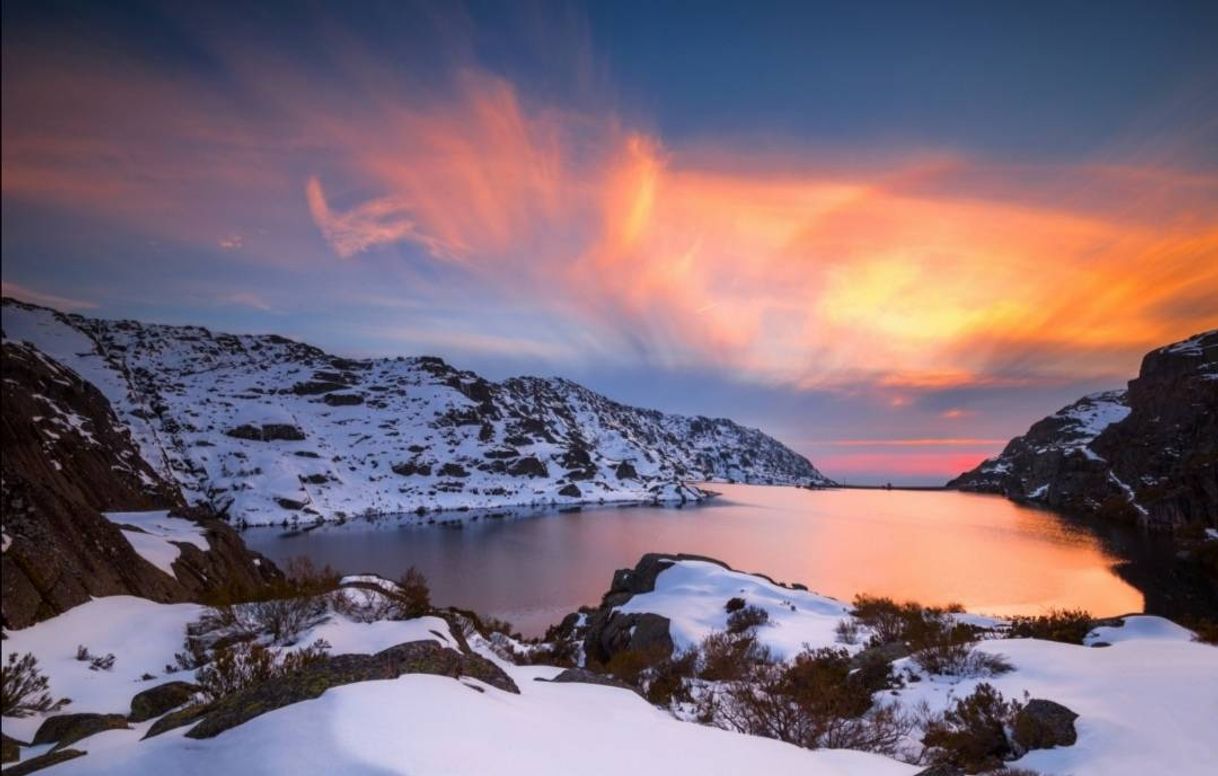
(987, 553)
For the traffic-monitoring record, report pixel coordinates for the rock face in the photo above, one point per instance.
(267, 430)
(66, 458)
(1148, 454)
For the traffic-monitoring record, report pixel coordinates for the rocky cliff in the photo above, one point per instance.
(1147, 454)
(268, 430)
(66, 459)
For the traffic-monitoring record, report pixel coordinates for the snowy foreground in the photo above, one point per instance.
(1146, 703)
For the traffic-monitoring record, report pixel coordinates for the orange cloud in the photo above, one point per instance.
(935, 273)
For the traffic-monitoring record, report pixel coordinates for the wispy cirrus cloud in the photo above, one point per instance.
(928, 273)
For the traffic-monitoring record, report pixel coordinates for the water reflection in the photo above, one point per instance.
(936, 547)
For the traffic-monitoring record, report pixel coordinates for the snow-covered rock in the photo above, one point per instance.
(266, 429)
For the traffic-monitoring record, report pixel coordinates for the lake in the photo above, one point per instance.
(531, 567)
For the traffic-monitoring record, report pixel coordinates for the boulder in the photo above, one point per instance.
(43, 761)
(155, 701)
(529, 466)
(415, 657)
(64, 729)
(584, 676)
(1043, 724)
(571, 490)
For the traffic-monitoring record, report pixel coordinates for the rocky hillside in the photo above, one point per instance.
(268, 430)
(1148, 454)
(67, 458)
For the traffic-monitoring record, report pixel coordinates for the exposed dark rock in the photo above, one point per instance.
(529, 466)
(343, 399)
(10, 749)
(416, 657)
(1043, 724)
(584, 676)
(314, 387)
(1157, 465)
(411, 468)
(55, 481)
(155, 701)
(626, 471)
(43, 761)
(267, 432)
(571, 490)
(176, 719)
(64, 729)
(453, 470)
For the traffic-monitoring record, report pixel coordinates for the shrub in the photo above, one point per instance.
(102, 663)
(733, 605)
(973, 734)
(726, 657)
(1070, 626)
(910, 623)
(747, 618)
(235, 667)
(412, 596)
(665, 681)
(23, 688)
(848, 631)
(949, 657)
(813, 702)
(629, 664)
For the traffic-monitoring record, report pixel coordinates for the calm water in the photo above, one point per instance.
(935, 547)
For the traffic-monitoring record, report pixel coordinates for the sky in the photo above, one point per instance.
(892, 235)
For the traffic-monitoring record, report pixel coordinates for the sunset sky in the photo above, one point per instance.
(892, 235)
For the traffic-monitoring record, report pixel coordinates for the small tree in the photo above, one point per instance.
(413, 596)
(23, 688)
(973, 734)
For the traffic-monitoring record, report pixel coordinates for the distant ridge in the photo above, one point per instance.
(266, 430)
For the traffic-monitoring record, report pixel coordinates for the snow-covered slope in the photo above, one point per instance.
(268, 429)
(1066, 433)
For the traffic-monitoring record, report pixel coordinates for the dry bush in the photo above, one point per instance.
(412, 596)
(666, 680)
(733, 605)
(746, 618)
(23, 688)
(948, 657)
(915, 625)
(235, 667)
(973, 733)
(1069, 626)
(726, 657)
(812, 702)
(848, 631)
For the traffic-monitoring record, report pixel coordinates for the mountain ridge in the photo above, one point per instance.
(1146, 454)
(268, 430)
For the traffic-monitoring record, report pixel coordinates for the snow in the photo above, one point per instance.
(141, 634)
(156, 533)
(1146, 703)
(366, 638)
(416, 414)
(692, 595)
(419, 724)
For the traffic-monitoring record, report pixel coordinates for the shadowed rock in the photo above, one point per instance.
(415, 657)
